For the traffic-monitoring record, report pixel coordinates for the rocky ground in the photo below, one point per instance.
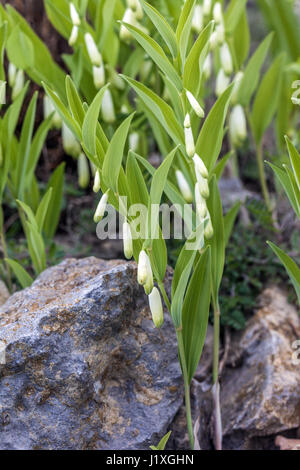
(83, 368)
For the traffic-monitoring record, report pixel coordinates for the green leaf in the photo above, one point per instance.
(290, 266)
(114, 156)
(162, 27)
(3, 35)
(221, 164)
(184, 27)
(285, 181)
(36, 247)
(194, 63)
(42, 209)
(210, 139)
(91, 120)
(20, 49)
(160, 109)
(295, 160)
(195, 313)
(74, 101)
(23, 277)
(156, 53)
(233, 14)
(56, 182)
(217, 243)
(251, 76)
(162, 444)
(266, 100)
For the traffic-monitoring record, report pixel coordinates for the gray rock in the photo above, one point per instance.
(260, 394)
(84, 366)
(232, 191)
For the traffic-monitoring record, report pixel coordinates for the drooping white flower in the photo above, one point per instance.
(49, 108)
(203, 186)
(97, 182)
(220, 34)
(74, 15)
(107, 109)
(99, 76)
(189, 138)
(12, 73)
(129, 17)
(127, 241)
(194, 104)
(197, 21)
(209, 230)
(19, 84)
(236, 88)
(134, 139)
(70, 144)
(226, 59)
(207, 67)
(201, 206)
(144, 268)
(93, 52)
(206, 7)
(2, 92)
(184, 186)
(136, 8)
(156, 308)
(83, 171)
(213, 40)
(237, 125)
(74, 36)
(200, 167)
(101, 208)
(222, 82)
(217, 13)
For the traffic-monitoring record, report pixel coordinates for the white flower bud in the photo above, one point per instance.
(206, 7)
(73, 36)
(97, 182)
(189, 141)
(108, 110)
(19, 84)
(208, 231)
(220, 31)
(129, 17)
(137, 8)
(74, 15)
(101, 208)
(222, 82)
(200, 167)
(2, 92)
(201, 206)
(149, 283)
(12, 73)
(207, 67)
(156, 308)
(213, 40)
(237, 125)
(217, 13)
(56, 122)
(203, 186)
(197, 21)
(93, 52)
(134, 139)
(83, 171)
(194, 104)
(236, 88)
(99, 76)
(127, 241)
(187, 121)
(70, 144)
(143, 268)
(184, 186)
(226, 60)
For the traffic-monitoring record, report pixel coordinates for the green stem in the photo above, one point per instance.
(184, 371)
(186, 388)
(262, 176)
(216, 352)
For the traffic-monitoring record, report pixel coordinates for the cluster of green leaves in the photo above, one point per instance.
(20, 156)
(289, 178)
